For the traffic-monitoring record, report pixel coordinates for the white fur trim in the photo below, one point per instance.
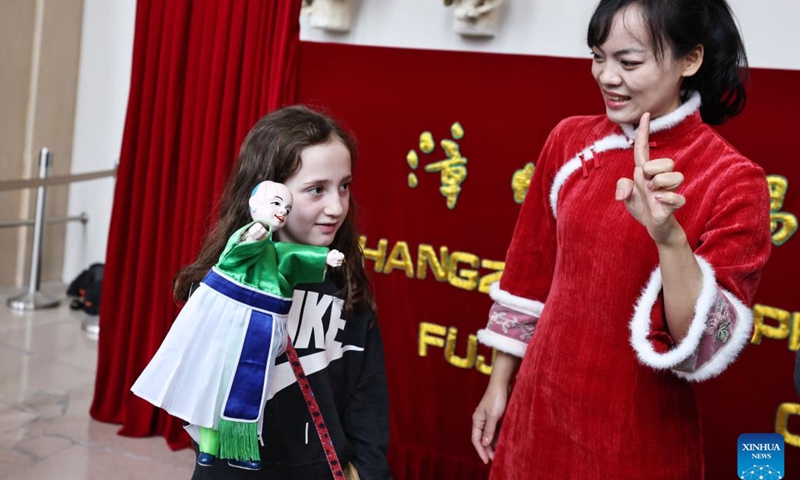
(723, 357)
(502, 343)
(611, 142)
(520, 304)
(606, 143)
(640, 323)
(671, 119)
(561, 178)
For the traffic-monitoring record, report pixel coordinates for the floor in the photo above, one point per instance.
(47, 365)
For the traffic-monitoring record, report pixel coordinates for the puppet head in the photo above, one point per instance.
(270, 203)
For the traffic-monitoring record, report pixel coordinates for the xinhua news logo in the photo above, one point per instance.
(760, 456)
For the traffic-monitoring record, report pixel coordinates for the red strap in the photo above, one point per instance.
(316, 414)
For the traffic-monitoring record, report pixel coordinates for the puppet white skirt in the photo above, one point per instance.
(191, 374)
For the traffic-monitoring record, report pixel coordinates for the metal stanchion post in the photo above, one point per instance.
(33, 299)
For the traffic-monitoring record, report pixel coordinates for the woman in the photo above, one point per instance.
(634, 260)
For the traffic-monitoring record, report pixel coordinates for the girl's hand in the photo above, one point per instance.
(650, 197)
(254, 233)
(486, 421)
(335, 258)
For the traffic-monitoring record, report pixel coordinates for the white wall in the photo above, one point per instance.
(530, 27)
(103, 84)
(533, 27)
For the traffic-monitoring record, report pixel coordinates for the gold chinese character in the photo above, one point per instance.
(782, 225)
(453, 169)
(521, 181)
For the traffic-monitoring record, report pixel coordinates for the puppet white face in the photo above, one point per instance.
(270, 204)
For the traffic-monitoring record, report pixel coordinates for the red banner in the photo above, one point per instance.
(447, 140)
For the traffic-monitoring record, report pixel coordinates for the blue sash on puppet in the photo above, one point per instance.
(246, 295)
(238, 429)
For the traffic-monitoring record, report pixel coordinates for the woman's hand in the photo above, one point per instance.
(335, 258)
(486, 420)
(650, 197)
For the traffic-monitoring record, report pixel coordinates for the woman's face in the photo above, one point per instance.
(631, 79)
(321, 191)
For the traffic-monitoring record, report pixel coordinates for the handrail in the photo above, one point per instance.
(83, 218)
(58, 180)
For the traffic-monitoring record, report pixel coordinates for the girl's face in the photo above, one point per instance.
(631, 79)
(321, 191)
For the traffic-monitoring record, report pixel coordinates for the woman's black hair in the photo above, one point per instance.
(682, 25)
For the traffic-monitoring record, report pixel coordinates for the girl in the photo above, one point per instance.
(331, 324)
(634, 261)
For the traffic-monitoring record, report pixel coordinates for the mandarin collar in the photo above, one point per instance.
(675, 124)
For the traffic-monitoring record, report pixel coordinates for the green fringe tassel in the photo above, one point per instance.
(238, 440)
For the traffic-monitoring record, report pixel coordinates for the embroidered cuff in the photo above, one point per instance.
(512, 322)
(727, 331)
(640, 323)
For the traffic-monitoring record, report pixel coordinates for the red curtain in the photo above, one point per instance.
(203, 73)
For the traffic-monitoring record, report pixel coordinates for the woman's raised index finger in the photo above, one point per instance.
(641, 145)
